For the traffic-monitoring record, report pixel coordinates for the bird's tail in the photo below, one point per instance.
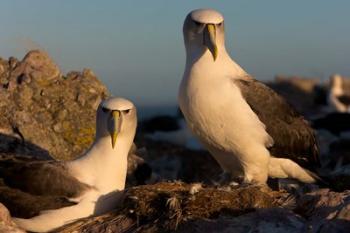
(286, 168)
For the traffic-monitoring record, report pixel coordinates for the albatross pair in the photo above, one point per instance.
(91, 182)
(249, 129)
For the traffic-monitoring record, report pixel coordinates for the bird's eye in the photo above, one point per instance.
(105, 109)
(219, 24)
(127, 111)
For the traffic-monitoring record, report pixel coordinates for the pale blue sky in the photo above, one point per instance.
(136, 47)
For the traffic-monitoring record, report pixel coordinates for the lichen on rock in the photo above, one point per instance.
(41, 106)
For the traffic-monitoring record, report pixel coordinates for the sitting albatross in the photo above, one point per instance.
(91, 181)
(249, 129)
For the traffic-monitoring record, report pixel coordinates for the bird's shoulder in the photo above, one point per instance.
(265, 101)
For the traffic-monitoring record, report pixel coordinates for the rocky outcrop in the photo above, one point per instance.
(275, 220)
(299, 92)
(44, 112)
(326, 211)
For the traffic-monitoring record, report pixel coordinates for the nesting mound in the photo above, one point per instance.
(165, 206)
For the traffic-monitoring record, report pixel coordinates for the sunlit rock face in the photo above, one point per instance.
(45, 112)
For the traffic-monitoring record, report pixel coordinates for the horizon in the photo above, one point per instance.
(136, 49)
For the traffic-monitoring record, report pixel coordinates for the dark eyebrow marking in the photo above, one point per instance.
(105, 109)
(197, 23)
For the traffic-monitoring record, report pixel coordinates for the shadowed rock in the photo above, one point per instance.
(299, 92)
(275, 220)
(326, 211)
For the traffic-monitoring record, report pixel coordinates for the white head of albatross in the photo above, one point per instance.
(115, 116)
(244, 124)
(204, 29)
(104, 165)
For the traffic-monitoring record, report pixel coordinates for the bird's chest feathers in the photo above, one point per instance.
(104, 172)
(218, 114)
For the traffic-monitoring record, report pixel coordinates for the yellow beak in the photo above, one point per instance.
(210, 40)
(116, 125)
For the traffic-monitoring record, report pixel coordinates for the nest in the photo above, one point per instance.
(163, 207)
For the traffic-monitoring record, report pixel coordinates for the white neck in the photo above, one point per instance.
(102, 166)
(200, 58)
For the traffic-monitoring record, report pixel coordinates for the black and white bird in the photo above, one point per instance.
(85, 186)
(250, 130)
(339, 95)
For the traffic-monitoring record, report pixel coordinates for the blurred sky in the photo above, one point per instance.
(136, 47)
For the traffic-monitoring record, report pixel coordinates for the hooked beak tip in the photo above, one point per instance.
(114, 139)
(215, 53)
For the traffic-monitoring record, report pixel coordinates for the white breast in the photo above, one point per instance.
(217, 113)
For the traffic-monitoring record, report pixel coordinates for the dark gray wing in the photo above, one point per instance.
(25, 205)
(39, 177)
(292, 135)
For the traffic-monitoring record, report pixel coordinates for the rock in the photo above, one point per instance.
(40, 67)
(24, 78)
(173, 162)
(139, 172)
(57, 127)
(41, 106)
(2, 69)
(62, 114)
(13, 62)
(87, 72)
(81, 99)
(263, 220)
(327, 211)
(298, 91)
(159, 123)
(6, 223)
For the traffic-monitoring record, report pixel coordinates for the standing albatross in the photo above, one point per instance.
(91, 182)
(249, 129)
